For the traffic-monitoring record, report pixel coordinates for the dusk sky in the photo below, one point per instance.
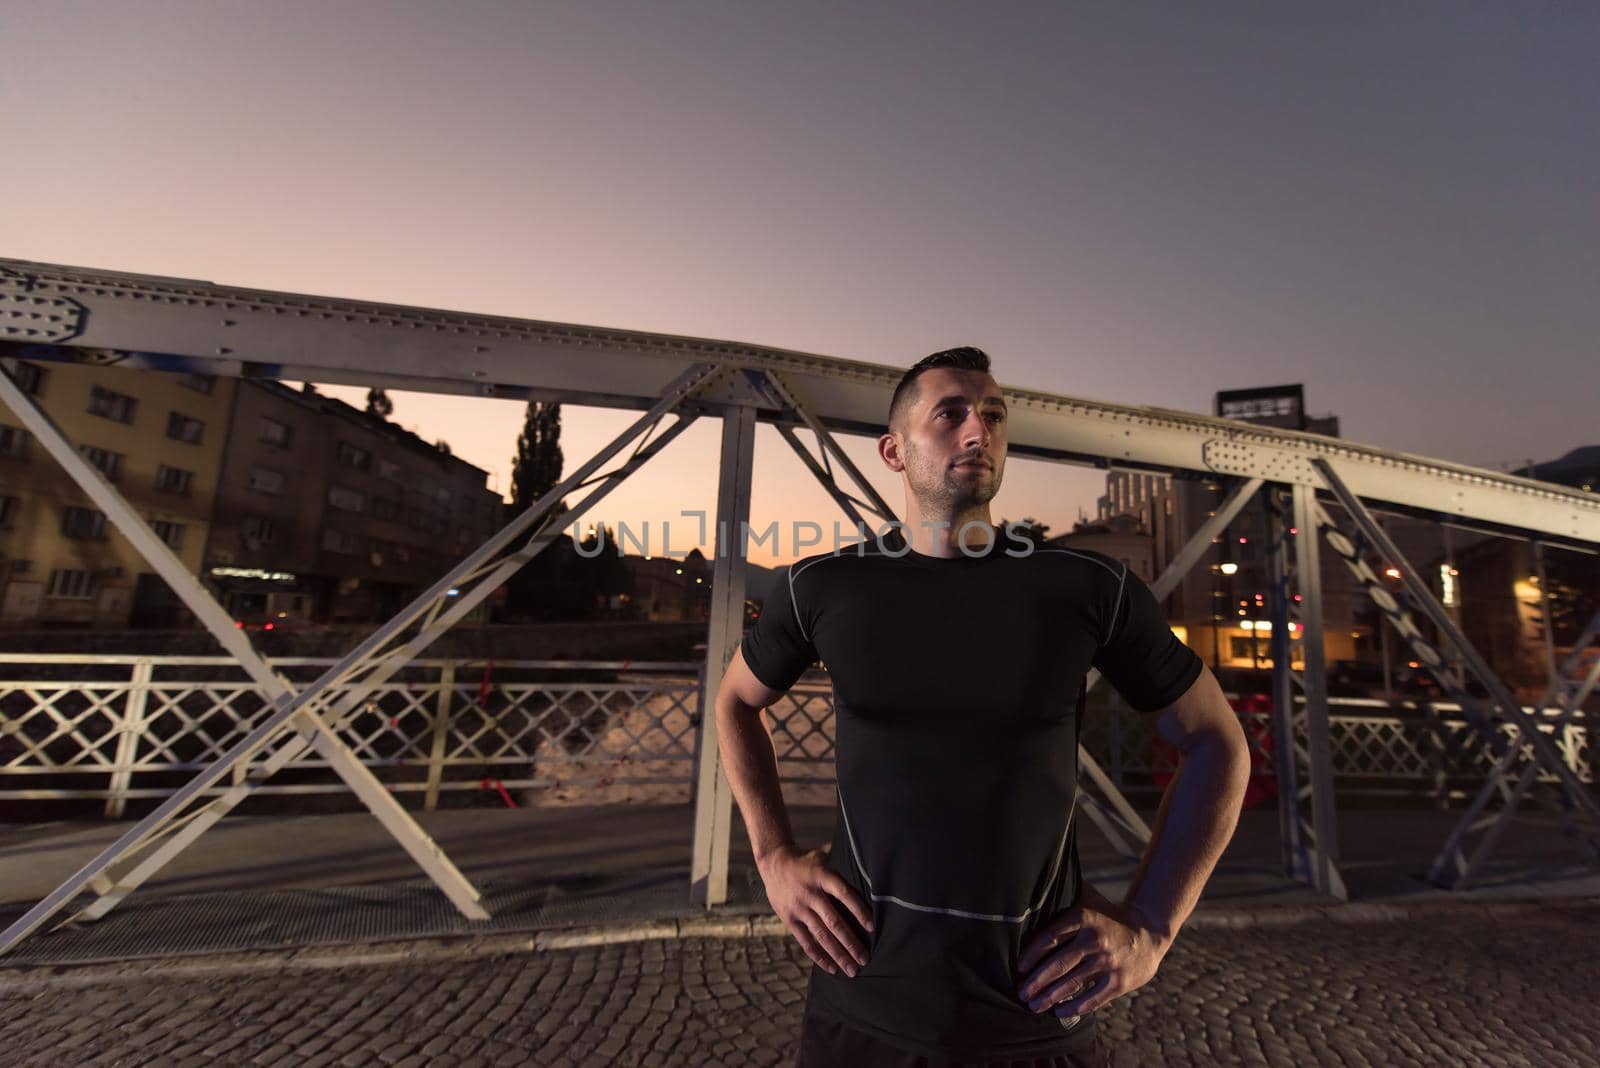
(1397, 205)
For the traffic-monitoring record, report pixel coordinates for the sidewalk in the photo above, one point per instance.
(282, 884)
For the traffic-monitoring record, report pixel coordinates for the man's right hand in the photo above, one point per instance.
(807, 894)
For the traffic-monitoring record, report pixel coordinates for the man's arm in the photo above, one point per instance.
(1199, 810)
(1097, 951)
(805, 893)
(748, 757)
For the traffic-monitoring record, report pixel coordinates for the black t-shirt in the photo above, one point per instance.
(958, 688)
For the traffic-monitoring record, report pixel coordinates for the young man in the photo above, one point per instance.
(948, 919)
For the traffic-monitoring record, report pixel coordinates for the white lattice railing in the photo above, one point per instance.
(123, 727)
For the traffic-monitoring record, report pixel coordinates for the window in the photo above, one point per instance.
(183, 428)
(109, 404)
(173, 480)
(29, 377)
(171, 533)
(348, 499)
(275, 433)
(71, 585)
(14, 442)
(259, 530)
(442, 495)
(109, 463)
(266, 480)
(389, 470)
(337, 541)
(198, 382)
(354, 456)
(1242, 647)
(385, 508)
(8, 510)
(82, 523)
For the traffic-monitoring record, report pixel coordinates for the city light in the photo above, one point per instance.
(1228, 568)
(1392, 572)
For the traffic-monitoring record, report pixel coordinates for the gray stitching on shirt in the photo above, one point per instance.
(994, 916)
(794, 604)
(1117, 605)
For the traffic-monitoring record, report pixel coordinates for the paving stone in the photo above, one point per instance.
(1517, 987)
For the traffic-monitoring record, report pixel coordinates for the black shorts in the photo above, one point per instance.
(829, 1043)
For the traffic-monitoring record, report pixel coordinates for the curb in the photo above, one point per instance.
(21, 979)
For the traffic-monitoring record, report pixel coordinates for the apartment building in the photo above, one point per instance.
(158, 439)
(327, 513)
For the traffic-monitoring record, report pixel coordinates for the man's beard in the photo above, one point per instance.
(953, 491)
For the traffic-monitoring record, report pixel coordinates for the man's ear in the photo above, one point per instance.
(889, 452)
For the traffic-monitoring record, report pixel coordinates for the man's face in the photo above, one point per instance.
(952, 448)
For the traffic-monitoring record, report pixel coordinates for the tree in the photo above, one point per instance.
(379, 404)
(1027, 528)
(444, 447)
(536, 467)
(551, 585)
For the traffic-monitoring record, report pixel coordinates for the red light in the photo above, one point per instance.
(1294, 530)
(267, 626)
(240, 624)
(1243, 541)
(1297, 596)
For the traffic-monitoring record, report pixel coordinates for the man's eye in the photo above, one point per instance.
(945, 412)
(998, 417)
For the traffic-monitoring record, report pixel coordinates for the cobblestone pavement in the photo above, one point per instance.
(1500, 985)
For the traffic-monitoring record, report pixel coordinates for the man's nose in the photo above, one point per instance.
(976, 432)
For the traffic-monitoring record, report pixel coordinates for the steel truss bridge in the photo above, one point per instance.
(1319, 493)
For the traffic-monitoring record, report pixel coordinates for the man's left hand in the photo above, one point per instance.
(1095, 951)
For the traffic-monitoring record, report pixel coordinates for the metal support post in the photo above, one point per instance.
(713, 810)
(440, 735)
(129, 727)
(1323, 854)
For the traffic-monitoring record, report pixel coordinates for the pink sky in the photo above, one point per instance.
(1392, 208)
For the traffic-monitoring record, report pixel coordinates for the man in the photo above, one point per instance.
(948, 919)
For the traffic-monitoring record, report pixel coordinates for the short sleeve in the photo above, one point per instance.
(1140, 655)
(776, 649)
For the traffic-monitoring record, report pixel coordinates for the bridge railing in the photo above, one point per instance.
(118, 728)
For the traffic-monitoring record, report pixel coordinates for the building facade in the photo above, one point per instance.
(158, 439)
(328, 514)
(1221, 608)
(291, 506)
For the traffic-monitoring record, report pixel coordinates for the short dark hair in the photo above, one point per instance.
(965, 358)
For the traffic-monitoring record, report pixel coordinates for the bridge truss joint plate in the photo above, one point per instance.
(1251, 459)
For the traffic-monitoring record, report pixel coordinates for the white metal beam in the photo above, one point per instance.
(230, 330)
